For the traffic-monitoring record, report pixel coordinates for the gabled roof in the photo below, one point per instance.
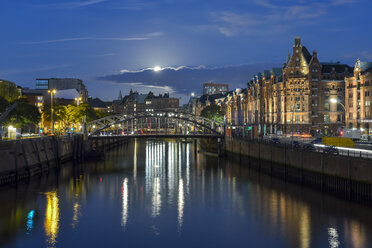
(140, 98)
(306, 54)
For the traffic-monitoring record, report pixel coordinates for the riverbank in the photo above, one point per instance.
(343, 175)
(22, 159)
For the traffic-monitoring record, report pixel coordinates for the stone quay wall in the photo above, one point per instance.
(22, 159)
(344, 175)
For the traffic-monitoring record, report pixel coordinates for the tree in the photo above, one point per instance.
(23, 116)
(212, 112)
(3, 104)
(8, 91)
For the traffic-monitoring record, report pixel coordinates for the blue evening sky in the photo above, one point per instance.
(90, 39)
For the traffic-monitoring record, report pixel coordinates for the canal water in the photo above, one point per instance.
(160, 193)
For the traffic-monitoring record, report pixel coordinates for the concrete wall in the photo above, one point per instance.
(21, 159)
(340, 173)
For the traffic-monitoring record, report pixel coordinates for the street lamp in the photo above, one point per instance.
(334, 100)
(52, 92)
(78, 100)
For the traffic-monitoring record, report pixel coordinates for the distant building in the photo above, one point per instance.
(136, 102)
(98, 104)
(63, 84)
(34, 97)
(358, 97)
(214, 88)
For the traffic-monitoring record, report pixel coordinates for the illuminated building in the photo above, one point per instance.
(214, 88)
(304, 96)
(358, 94)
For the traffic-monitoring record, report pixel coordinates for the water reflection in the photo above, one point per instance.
(181, 203)
(75, 217)
(162, 189)
(333, 237)
(124, 190)
(51, 223)
(30, 221)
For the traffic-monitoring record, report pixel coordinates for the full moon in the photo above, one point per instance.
(157, 68)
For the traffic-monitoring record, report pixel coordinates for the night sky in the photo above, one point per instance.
(96, 40)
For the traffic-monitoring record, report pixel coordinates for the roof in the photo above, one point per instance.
(140, 98)
(67, 94)
(266, 74)
(210, 98)
(306, 54)
(97, 103)
(337, 67)
(365, 66)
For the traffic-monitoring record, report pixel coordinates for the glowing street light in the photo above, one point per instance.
(78, 100)
(334, 100)
(52, 92)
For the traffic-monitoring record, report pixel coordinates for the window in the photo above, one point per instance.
(367, 93)
(326, 106)
(339, 118)
(368, 103)
(326, 118)
(350, 95)
(298, 107)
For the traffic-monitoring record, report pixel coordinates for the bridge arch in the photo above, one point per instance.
(162, 122)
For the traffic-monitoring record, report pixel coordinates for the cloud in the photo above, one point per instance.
(272, 17)
(102, 55)
(183, 79)
(136, 5)
(142, 38)
(73, 5)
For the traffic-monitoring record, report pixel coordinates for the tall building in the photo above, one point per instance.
(304, 96)
(214, 88)
(63, 84)
(358, 97)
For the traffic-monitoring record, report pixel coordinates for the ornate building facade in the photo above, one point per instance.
(358, 97)
(304, 96)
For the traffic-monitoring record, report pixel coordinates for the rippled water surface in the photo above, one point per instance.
(159, 193)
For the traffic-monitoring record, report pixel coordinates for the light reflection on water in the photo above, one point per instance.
(51, 222)
(157, 193)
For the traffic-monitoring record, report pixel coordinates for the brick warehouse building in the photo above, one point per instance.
(304, 96)
(358, 97)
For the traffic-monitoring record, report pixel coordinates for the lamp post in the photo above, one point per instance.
(334, 100)
(78, 100)
(52, 92)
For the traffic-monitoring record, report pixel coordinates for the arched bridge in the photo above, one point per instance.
(161, 123)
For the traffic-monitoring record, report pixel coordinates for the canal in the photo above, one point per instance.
(160, 193)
